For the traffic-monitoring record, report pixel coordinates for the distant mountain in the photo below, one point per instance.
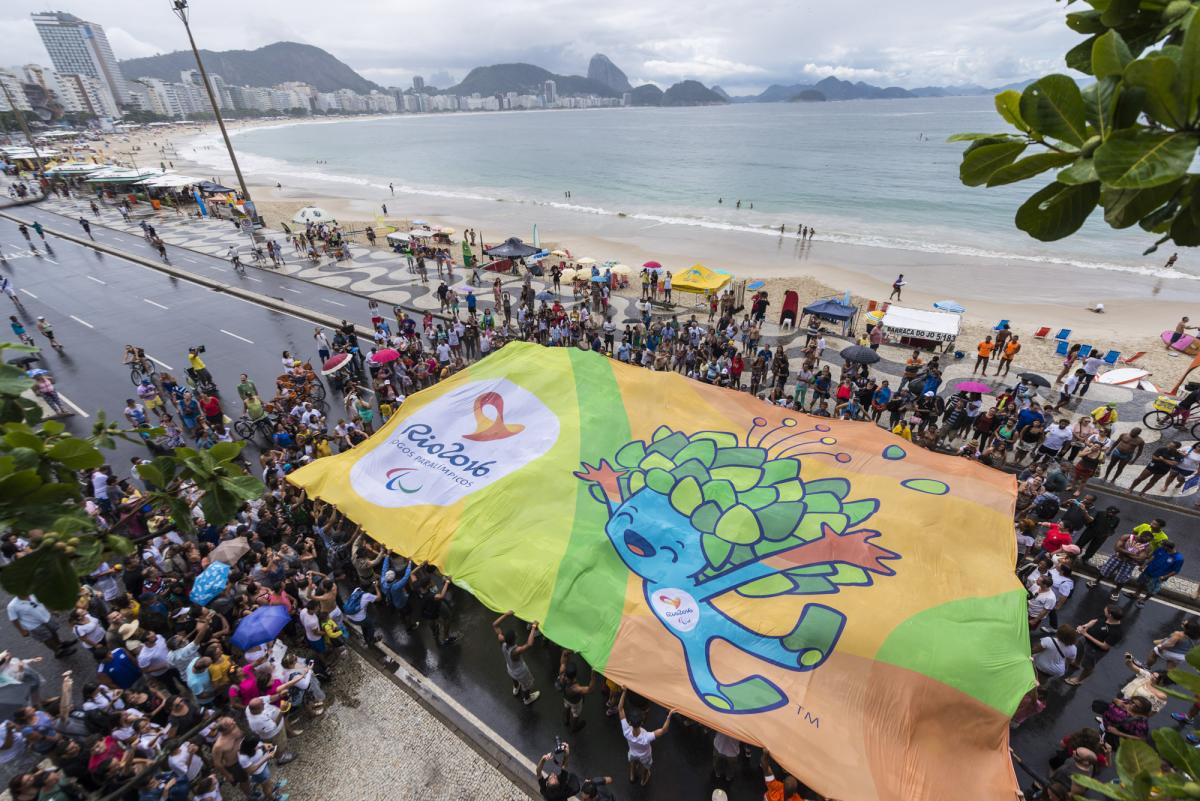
(718, 90)
(646, 95)
(526, 79)
(602, 70)
(691, 93)
(266, 66)
(809, 96)
(835, 89)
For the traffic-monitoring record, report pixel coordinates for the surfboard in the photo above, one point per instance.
(1147, 386)
(1123, 375)
(1184, 342)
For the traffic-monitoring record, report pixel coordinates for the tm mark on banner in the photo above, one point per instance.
(809, 717)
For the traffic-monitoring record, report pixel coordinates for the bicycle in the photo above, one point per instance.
(205, 385)
(1167, 414)
(143, 370)
(247, 429)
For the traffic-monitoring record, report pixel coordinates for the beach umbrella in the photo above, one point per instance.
(586, 261)
(860, 355)
(260, 626)
(544, 295)
(756, 285)
(418, 222)
(621, 269)
(974, 386)
(385, 355)
(512, 248)
(568, 275)
(34, 373)
(949, 306)
(230, 551)
(335, 362)
(313, 214)
(562, 254)
(599, 279)
(652, 265)
(209, 584)
(1034, 378)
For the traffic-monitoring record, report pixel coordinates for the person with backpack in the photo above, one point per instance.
(357, 609)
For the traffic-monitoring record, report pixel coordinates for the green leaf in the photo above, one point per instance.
(1082, 171)
(13, 381)
(972, 137)
(1079, 57)
(1185, 232)
(1176, 750)
(1053, 106)
(18, 438)
(1189, 68)
(15, 486)
(1104, 788)
(1110, 55)
(1029, 167)
(1144, 159)
(1118, 11)
(150, 473)
(53, 428)
(1057, 210)
(75, 454)
(979, 164)
(1155, 75)
(46, 572)
(1086, 22)
(1135, 757)
(119, 544)
(1008, 106)
(1100, 104)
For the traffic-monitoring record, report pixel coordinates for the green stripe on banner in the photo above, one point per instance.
(592, 578)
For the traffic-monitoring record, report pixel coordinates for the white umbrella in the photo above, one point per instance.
(313, 214)
(586, 261)
(568, 275)
(621, 269)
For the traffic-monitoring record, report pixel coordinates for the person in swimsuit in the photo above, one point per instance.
(1125, 449)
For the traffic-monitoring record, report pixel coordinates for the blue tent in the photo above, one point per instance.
(832, 310)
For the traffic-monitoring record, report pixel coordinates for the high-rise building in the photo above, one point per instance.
(77, 46)
(550, 91)
(418, 83)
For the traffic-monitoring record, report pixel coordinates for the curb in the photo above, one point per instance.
(217, 286)
(476, 734)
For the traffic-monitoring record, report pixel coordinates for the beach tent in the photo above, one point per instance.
(512, 248)
(699, 279)
(698, 514)
(210, 188)
(832, 310)
(932, 326)
(399, 237)
(313, 214)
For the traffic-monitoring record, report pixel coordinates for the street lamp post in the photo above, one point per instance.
(24, 127)
(181, 10)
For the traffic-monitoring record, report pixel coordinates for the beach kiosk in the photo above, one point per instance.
(920, 328)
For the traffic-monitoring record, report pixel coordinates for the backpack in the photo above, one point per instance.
(1047, 508)
(353, 604)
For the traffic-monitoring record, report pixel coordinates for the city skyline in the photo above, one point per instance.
(937, 42)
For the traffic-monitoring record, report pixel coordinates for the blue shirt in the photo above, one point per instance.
(121, 669)
(1027, 416)
(1162, 563)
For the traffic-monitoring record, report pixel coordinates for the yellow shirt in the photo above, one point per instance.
(903, 430)
(1159, 536)
(195, 361)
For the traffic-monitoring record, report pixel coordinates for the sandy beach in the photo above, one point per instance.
(1028, 294)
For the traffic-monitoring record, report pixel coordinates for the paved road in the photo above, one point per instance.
(99, 303)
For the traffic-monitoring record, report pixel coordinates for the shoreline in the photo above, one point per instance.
(1030, 294)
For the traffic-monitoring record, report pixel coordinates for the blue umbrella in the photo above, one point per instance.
(545, 295)
(756, 285)
(210, 583)
(260, 626)
(598, 279)
(949, 306)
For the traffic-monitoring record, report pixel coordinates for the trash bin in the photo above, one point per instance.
(155, 204)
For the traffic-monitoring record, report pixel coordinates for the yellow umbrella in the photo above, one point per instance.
(621, 269)
(446, 231)
(562, 254)
(568, 275)
(586, 261)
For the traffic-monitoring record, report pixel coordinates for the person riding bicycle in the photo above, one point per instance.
(196, 368)
(136, 357)
(47, 330)
(254, 408)
(19, 330)
(1189, 400)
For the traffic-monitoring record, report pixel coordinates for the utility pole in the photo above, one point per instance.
(24, 127)
(180, 8)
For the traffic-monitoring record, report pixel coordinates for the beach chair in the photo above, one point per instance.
(1063, 347)
(1042, 332)
(1000, 325)
(1111, 357)
(1134, 357)
(1085, 351)
(1063, 334)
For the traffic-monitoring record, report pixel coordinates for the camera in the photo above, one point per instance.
(560, 751)
(199, 349)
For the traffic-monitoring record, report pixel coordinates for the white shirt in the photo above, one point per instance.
(361, 615)
(266, 724)
(108, 585)
(18, 741)
(1042, 602)
(152, 659)
(90, 631)
(185, 763)
(1062, 586)
(1053, 660)
(639, 744)
(100, 485)
(28, 614)
(311, 624)
(1056, 437)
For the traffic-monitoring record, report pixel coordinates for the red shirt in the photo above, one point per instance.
(210, 406)
(1056, 538)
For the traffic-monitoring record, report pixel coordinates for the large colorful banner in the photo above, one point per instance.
(821, 588)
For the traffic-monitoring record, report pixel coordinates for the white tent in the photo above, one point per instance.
(398, 236)
(919, 324)
(170, 181)
(313, 214)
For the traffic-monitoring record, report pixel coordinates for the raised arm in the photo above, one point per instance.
(666, 725)
(533, 630)
(496, 625)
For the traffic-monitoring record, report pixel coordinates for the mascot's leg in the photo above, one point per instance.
(805, 647)
(749, 694)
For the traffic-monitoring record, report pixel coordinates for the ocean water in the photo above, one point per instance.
(875, 173)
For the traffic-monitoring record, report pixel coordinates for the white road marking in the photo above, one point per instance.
(81, 322)
(218, 269)
(235, 336)
(252, 278)
(193, 261)
(27, 292)
(73, 405)
(272, 311)
(287, 289)
(97, 280)
(152, 303)
(161, 364)
(334, 302)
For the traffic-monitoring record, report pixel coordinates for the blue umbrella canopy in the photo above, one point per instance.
(209, 583)
(260, 626)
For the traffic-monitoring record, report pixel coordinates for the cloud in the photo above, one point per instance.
(842, 72)
(129, 46)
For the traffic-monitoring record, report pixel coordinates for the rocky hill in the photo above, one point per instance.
(266, 66)
(647, 95)
(691, 93)
(602, 70)
(526, 79)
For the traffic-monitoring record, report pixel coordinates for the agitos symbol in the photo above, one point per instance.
(488, 429)
(395, 479)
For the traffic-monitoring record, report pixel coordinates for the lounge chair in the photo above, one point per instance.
(1111, 357)
(1063, 347)
(1042, 332)
(1000, 325)
(1085, 351)
(1063, 334)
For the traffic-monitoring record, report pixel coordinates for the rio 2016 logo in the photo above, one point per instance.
(395, 480)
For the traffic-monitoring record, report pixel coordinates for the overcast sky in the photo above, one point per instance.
(741, 45)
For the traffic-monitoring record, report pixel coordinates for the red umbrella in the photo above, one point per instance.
(974, 386)
(385, 355)
(335, 363)
(652, 265)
